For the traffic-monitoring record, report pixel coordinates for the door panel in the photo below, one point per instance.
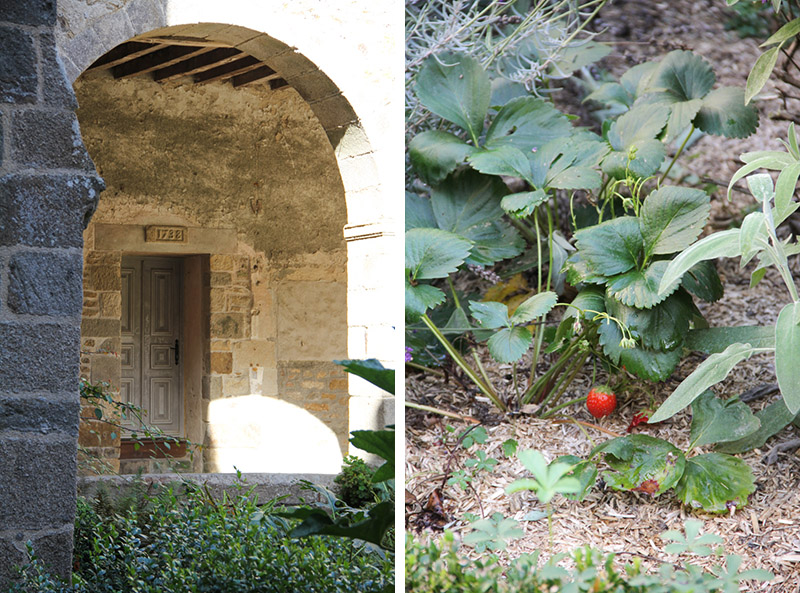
(154, 300)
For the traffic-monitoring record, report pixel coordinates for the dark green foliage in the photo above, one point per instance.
(438, 568)
(198, 544)
(355, 482)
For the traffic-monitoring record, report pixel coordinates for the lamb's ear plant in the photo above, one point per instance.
(756, 239)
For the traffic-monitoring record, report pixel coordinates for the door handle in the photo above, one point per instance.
(177, 352)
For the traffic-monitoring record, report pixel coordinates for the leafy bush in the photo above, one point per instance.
(355, 482)
(199, 544)
(437, 567)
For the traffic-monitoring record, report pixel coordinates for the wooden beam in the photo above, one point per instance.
(157, 59)
(124, 53)
(239, 66)
(261, 74)
(188, 41)
(192, 65)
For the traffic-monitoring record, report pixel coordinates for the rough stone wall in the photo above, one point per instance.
(48, 190)
(255, 167)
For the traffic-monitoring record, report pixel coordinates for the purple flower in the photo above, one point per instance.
(409, 351)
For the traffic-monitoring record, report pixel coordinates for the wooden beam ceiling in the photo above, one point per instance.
(167, 58)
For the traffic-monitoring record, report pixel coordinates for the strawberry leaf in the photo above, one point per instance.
(714, 481)
(654, 466)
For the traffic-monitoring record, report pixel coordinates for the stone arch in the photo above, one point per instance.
(368, 231)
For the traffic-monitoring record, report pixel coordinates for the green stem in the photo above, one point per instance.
(481, 369)
(563, 360)
(563, 405)
(453, 292)
(677, 154)
(523, 228)
(425, 369)
(538, 332)
(563, 382)
(459, 360)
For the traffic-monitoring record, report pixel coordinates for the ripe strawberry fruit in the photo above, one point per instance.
(601, 401)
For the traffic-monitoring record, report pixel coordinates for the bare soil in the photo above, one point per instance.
(766, 533)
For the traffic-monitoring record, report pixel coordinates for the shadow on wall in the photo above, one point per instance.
(265, 434)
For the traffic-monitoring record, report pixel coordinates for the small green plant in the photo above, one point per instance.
(437, 567)
(547, 481)
(492, 533)
(355, 482)
(101, 406)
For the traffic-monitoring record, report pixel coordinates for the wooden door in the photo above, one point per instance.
(152, 369)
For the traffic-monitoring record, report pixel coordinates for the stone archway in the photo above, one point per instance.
(48, 191)
(309, 46)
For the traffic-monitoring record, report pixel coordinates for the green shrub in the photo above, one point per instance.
(355, 482)
(198, 545)
(436, 567)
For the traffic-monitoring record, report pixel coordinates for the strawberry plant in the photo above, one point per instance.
(713, 481)
(460, 212)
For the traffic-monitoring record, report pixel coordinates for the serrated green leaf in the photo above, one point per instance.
(534, 307)
(713, 481)
(611, 247)
(420, 298)
(721, 244)
(787, 346)
(467, 199)
(703, 281)
(684, 75)
(502, 160)
(457, 324)
(661, 327)
(673, 217)
(578, 271)
(642, 122)
(591, 300)
(648, 364)
(717, 339)
(523, 204)
(712, 370)
(434, 253)
(642, 159)
(576, 178)
(760, 73)
(490, 315)
(633, 138)
(419, 213)
(527, 123)
(435, 154)
(509, 344)
(467, 203)
(610, 93)
(654, 467)
(457, 88)
(724, 113)
(718, 421)
(639, 288)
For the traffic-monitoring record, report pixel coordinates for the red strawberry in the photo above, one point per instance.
(601, 401)
(638, 418)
